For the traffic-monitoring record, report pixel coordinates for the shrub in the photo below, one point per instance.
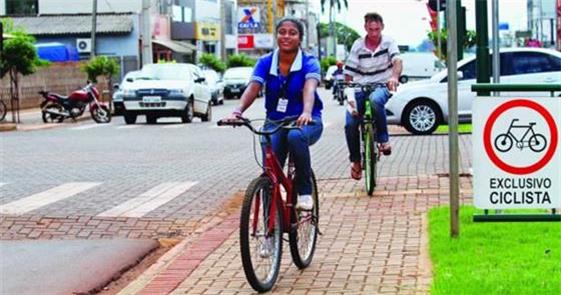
(210, 60)
(240, 60)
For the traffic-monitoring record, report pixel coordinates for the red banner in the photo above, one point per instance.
(245, 42)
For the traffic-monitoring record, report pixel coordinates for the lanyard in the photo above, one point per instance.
(285, 81)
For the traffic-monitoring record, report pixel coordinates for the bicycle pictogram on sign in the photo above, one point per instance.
(530, 139)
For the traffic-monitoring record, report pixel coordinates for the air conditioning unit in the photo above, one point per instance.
(84, 45)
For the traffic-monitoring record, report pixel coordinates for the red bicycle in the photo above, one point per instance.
(269, 210)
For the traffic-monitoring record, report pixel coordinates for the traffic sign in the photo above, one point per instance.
(516, 153)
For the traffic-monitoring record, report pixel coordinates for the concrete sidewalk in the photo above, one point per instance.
(30, 119)
(370, 245)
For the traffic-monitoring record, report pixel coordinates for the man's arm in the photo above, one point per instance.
(397, 67)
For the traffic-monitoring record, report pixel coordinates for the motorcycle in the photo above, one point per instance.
(339, 92)
(55, 108)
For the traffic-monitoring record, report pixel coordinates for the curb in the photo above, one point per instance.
(6, 127)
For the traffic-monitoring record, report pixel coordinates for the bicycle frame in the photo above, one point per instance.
(529, 128)
(275, 172)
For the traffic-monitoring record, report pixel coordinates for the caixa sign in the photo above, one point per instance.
(516, 162)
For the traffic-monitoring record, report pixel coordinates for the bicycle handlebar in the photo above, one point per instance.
(283, 123)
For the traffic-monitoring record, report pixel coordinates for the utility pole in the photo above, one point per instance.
(496, 49)
(146, 33)
(94, 27)
(482, 40)
(452, 48)
(223, 29)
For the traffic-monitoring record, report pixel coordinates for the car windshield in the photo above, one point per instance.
(210, 76)
(238, 73)
(165, 72)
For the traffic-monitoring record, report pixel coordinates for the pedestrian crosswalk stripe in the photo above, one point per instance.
(89, 126)
(128, 126)
(149, 200)
(172, 126)
(47, 197)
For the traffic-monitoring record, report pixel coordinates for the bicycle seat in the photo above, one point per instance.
(532, 123)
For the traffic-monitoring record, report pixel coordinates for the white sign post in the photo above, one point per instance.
(517, 153)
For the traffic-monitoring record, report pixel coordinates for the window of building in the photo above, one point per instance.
(22, 7)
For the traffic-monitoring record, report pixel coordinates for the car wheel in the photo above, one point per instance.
(208, 116)
(422, 117)
(129, 118)
(188, 113)
(403, 79)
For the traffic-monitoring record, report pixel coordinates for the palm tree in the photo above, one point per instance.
(332, 4)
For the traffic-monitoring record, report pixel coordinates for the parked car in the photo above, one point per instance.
(236, 80)
(167, 90)
(118, 93)
(421, 106)
(215, 84)
(419, 65)
(328, 78)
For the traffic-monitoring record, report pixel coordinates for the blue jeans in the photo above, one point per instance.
(378, 99)
(297, 142)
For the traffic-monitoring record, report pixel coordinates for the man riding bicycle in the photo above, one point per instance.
(338, 76)
(373, 59)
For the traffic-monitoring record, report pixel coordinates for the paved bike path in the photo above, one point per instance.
(370, 245)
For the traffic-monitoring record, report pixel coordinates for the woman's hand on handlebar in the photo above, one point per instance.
(304, 119)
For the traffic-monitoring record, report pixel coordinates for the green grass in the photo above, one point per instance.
(494, 258)
(462, 128)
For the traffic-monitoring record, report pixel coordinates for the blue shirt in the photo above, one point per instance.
(267, 73)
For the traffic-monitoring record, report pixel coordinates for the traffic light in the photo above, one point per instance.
(434, 5)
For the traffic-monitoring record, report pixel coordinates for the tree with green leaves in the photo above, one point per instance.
(210, 60)
(469, 41)
(102, 66)
(240, 60)
(19, 57)
(332, 4)
(345, 34)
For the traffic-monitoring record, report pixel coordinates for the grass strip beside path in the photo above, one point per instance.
(494, 258)
(462, 128)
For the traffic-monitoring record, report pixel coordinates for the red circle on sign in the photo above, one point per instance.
(552, 131)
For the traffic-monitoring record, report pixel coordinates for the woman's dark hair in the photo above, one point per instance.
(296, 22)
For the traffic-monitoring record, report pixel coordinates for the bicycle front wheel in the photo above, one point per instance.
(303, 235)
(260, 239)
(370, 159)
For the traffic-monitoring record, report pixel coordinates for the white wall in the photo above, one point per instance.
(85, 6)
(207, 10)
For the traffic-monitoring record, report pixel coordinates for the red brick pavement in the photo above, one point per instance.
(369, 245)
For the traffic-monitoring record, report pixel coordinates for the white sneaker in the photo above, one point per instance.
(266, 248)
(305, 202)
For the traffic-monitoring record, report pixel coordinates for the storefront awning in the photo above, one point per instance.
(177, 46)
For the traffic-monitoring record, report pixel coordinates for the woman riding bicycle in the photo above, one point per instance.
(291, 77)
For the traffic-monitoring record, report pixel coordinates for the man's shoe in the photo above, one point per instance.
(386, 148)
(356, 170)
(266, 248)
(305, 202)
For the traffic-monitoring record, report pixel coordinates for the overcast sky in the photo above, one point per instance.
(407, 20)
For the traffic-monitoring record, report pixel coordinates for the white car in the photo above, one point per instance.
(118, 94)
(419, 65)
(167, 90)
(215, 84)
(236, 80)
(421, 106)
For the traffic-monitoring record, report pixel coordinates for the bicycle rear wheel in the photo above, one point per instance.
(370, 159)
(304, 232)
(261, 248)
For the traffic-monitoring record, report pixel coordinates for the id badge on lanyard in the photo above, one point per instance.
(282, 104)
